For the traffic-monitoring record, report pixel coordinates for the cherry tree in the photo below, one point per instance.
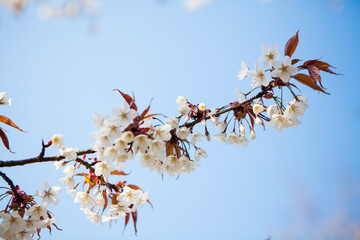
(95, 178)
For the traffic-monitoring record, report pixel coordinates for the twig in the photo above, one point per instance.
(12, 186)
(13, 163)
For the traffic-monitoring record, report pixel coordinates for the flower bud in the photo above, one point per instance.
(252, 134)
(258, 120)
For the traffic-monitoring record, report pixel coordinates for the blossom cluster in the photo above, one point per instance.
(24, 218)
(119, 200)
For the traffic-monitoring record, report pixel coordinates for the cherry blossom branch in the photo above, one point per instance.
(259, 95)
(40, 158)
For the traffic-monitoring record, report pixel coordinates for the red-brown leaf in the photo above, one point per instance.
(295, 61)
(291, 45)
(143, 114)
(127, 218)
(306, 80)
(9, 122)
(134, 218)
(4, 139)
(105, 198)
(119, 173)
(128, 99)
(314, 73)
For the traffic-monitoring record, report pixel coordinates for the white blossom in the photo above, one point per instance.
(221, 137)
(163, 133)
(273, 109)
(243, 71)
(69, 153)
(92, 216)
(57, 140)
(99, 120)
(280, 121)
(258, 108)
(124, 114)
(252, 134)
(59, 164)
(69, 170)
(200, 153)
(182, 132)
(140, 144)
(36, 211)
(49, 194)
(173, 121)
(269, 54)
(84, 199)
(258, 76)
(241, 97)
(202, 107)
(232, 138)
(103, 168)
(284, 70)
(4, 100)
(196, 137)
(127, 136)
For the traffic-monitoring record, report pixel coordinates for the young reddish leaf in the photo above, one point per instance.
(291, 45)
(134, 218)
(105, 198)
(314, 73)
(306, 80)
(251, 120)
(4, 139)
(119, 173)
(128, 99)
(295, 61)
(127, 218)
(143, 114)
(9, 122)
(323, 66)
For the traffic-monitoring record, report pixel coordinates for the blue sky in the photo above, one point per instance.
(299, 184)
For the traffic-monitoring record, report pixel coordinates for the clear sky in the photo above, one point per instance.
(300, 184)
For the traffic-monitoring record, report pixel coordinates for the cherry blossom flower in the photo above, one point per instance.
(57, 140)
(103, 168)
(4, 100)
(49, 194)
(200, 153)
(182, 132)
(124, 114)
(37, 211)
(69, 153)
(99, 120)
(84, 199)
(232, 138)
(252, 134)
(173, 121)
(163, 133)
(269, 54)
(258, 76)
(196, 137)
(273, 109)
(69, 170)
(284, 70)
(140, 144)
(243, 71)
(280, 121)
(202, 107)
(127, 136)
(129, 196)
(241, 97)
(258, 108)
(92, 216)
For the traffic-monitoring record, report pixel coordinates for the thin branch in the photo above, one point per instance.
(259, 95)
(13, 163)
(12, 186)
